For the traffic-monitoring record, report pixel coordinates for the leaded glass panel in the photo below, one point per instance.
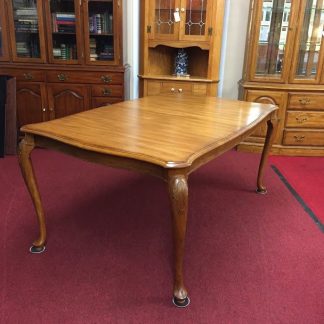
(196, 17)
(164, 16)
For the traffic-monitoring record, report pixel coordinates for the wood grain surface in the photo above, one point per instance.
(171, 131)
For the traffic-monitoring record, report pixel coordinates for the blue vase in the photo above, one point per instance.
(181, 63)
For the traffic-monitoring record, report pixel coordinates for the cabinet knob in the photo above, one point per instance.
(28, 76)
(106, 78)
(44, 109)
(182, 9)
(304, 101)
(106, 91)
(299, 139)
(172, 89)
(62, 77)
(180, 90)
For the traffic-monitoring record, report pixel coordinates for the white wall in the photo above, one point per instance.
(131, 17)
(234, 36)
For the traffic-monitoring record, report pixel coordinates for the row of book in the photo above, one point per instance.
(28, 49)
(101, 23)
(26, 19)
(63, 22)
(100, 51)
(65, 52)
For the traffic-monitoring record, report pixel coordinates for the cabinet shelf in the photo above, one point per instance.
(101, 34)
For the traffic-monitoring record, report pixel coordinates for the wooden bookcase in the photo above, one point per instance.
(284, 66)
(198, 30)
(65, 54)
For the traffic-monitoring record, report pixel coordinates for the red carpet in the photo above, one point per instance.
(306, 177)
(249, 258)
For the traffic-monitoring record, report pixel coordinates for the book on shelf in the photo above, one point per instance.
(101, 23)
(63, 22)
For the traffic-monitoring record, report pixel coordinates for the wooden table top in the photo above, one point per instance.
(170, 131)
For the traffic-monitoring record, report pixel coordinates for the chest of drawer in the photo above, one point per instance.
(314, 119)
(107, 91)
(309, 137)
(306, 101)
(85, 77)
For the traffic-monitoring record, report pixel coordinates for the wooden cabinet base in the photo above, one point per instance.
(52, 92)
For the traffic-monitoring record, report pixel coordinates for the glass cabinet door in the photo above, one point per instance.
(64, 31)
(26, 26)
(4, 56)
(271, 37)
(310, 40)
(195, 22)
(100, 25)
(165, 17)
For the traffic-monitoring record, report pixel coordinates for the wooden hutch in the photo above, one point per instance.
(66, 55)
(192, 25)
(284, 66)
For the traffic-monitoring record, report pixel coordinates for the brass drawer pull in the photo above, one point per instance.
(28, 76)
(44, 109)
(300, 119)
(106, 92)
(299, 139)
(304, 101)
(172, 89)
(62, 77)
(106, 78)
(180, 90)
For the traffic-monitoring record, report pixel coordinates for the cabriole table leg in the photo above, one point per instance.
(178, 192)
(261, 189)
(25, 148)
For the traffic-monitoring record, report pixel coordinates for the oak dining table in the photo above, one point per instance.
(167, 136)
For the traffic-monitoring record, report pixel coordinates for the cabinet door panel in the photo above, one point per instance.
(31, 99)
(64, 31)
(163, 25)
(4, 54)
(309, 53)
(26, 24)
(196, 18)
(102, 21)
(272, 39)
(66, 100)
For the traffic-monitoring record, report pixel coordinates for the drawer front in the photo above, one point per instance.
(313, 119)
(176, 87)
(107, 91)
(306, 101)
(100, 101)
(85, 77)
(309, 138)
(164, 87)
(25, 75)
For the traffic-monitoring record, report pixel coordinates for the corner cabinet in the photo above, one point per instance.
(66, 55)
(284, 65)
(193, 26)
